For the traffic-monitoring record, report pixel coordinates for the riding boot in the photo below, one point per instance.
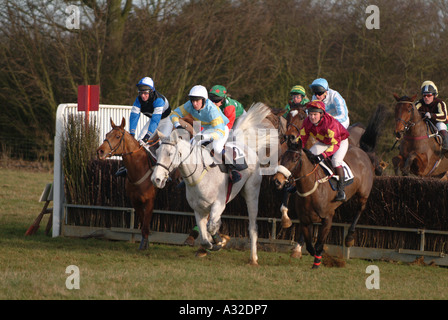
(234, 165)
(121, 172)
(340, 196)
(444, 134)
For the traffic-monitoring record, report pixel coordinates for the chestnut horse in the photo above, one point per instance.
(314, 197)
(420, 150)
(139, 187)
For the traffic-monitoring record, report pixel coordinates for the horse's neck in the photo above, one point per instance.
(419, 128)
(134, 157)
(306, 174)
(192, 167)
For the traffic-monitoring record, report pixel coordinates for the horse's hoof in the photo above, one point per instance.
(349, 241)
(143, 244)
(253, 263)
(296, 254)
(315, 266)
(189, 241)
(201, 253)
(225, 240)
(286, 223)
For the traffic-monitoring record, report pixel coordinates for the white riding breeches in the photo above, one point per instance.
(441, 126)
(165, 126)
(338, 157)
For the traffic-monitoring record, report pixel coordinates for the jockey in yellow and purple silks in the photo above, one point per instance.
(212, 120)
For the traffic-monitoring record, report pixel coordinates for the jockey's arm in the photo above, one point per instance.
(178, 113)
(134, 117)
(156, 115)
(230, 113)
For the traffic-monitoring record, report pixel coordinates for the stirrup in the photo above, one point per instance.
(121, 172)
(340, 196)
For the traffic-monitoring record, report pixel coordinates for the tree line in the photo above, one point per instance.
(258, 49)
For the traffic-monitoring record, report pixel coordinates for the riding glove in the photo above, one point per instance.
(316, 159)
(427, 115)
(146, 138)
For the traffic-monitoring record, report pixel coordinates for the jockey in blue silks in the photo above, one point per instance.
(334, 103)
(212, 120)
(153, 105)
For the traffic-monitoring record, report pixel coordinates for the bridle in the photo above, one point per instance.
(122, 141)
(177, 152)
(408, 124)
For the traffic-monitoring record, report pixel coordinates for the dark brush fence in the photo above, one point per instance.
(401, 202)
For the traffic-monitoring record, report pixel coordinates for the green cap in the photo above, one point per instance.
(219, 91)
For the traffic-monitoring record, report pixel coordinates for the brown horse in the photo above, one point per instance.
(314, 197)
(357, 138)
(139, 187)
(420, 150)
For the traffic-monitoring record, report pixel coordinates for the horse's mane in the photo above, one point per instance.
(246, 131)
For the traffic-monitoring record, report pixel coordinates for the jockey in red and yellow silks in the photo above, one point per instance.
(329, 131)
(332, 140)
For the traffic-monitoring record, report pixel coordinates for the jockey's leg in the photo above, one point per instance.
(442, 130)
(337, 161)
(340, 196)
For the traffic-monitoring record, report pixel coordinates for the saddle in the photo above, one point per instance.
(330, 172)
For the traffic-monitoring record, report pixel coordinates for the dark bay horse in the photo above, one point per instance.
(139, 188)
(314, 197)
(357, 138)
(420, 150)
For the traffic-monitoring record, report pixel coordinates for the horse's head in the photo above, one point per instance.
(114, 143)
(294, 123)
(289, 162)
(170, 155)
(404, 114)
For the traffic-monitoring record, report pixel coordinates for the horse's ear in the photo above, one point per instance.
(396, 96)
(112, 123)
(414, 97)
(159, 134)
(123, 123)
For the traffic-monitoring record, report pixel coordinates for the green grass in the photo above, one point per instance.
(34, 267)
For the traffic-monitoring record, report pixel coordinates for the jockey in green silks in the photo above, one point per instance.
(231, 108)
(298, 99)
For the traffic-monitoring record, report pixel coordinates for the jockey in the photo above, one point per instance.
(212, 120)
(153, 105)
(231, 108)
(298, 99)
(432, 108)
(332, 140)
(334, 103)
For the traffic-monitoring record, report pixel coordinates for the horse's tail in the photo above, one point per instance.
(369, 139)
(247, 129)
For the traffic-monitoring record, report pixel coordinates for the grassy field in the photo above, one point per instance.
(34, 267)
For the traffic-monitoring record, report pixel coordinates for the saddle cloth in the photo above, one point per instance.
(348, 174)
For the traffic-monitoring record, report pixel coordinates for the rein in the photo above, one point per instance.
(291, 179)
(168, 169)
(122, 141)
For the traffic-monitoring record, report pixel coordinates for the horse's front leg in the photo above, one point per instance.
(286, 221)
(201, 222)
(397, 163)
(214, 224)
(319, 247)
(414, 163)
